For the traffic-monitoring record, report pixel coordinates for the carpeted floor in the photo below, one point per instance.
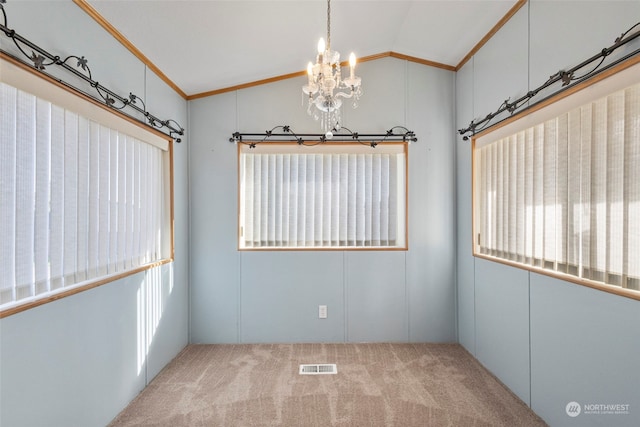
(376, 385)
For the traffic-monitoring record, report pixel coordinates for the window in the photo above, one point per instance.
(327, 196)
(81, 202)
(562, 193)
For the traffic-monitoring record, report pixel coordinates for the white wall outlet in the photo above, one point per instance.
(322, 311)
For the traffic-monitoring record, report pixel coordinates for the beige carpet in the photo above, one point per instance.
(376, 385)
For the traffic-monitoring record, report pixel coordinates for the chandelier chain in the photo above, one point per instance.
(329, 24)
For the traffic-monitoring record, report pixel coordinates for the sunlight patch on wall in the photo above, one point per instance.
(152, 297)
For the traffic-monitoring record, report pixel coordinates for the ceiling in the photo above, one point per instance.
(209, 45)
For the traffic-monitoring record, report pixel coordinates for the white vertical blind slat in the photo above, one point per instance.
(538, 193)
(562, 183)
(56, 216)
(511, 210)
(43, 194)
(277, 211)
(549, 179)
(302, 201)
(294, 195)
(500, 196)
(152, 209)
(574, 227)
(273, 203)
(336, 212)
(82, 244)
(310, 205)
(586, 119)
(529, 195)
(94, 191)
(325, 196)
(113, 201)
(384, 199)
(397, 189)
(318, 193)
(70, 250)
(8, 129)
(260, 183)
(367, 197)
(149, 218)
(248, 196)
(25, 194)
(599, 191)
(520, 210)
(632, 180)
(122, 203)
(131, 205)
(493, 198)
(286, 191)
(143, 228)
(103, 199)
(481, 179)
(162, 215)
(360, 208)
(138, 197)
(615, 183)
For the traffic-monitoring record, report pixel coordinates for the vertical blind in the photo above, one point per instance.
(328, 199)
(78, 200)
(564, 194)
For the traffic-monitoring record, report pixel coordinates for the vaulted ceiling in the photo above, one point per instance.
(209, 45)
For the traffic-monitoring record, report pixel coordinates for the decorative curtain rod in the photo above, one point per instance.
(309, 139)
(568, 79)
(41, 59)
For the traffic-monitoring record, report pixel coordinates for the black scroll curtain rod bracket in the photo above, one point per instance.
(39, 59)
(395, 134)
(567, 77)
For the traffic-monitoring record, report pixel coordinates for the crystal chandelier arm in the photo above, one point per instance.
(344, 94)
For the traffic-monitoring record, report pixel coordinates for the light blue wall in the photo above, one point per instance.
(80, 360)
(371, 296)
(550, 341)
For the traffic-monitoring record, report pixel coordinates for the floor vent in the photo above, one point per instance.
(322, 369)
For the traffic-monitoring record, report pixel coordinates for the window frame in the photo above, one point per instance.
(592, 89)
(404, 247)
(89, 107)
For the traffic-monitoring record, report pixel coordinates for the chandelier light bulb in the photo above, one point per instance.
(321, 46)
(310, 72)
(352, 63)
(352, 60)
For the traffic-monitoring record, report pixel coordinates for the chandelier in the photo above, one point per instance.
(326, 86)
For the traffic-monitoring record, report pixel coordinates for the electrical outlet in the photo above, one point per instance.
(322, 311)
